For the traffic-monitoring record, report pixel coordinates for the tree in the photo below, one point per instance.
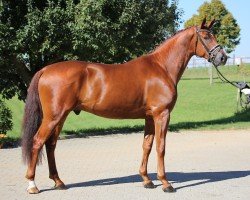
(5, 118)
(36, 33)
(226, 28)
(32, 34)
(116, 31)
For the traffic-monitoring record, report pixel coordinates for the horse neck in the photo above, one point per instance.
(174, 54)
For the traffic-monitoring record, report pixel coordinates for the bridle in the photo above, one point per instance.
(213, 51)
(211, 57)
(212, 54)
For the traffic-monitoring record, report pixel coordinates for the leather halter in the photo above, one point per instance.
(213, 51)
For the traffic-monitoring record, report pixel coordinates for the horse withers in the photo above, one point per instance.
(145, 87)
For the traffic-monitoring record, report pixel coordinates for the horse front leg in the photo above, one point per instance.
(147, 146)
(161, 126)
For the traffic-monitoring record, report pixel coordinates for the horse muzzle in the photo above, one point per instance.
(219, 59)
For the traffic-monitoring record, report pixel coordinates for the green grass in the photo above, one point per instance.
(200, 106)
(233, 73)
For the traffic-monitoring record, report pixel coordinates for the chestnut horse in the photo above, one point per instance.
(145, 87)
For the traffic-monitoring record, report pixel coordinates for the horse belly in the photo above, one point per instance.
(113, 108)
(119, 104)
(111, 94)
(119, 114)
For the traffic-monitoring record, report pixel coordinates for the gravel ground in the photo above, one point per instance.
(200, 165)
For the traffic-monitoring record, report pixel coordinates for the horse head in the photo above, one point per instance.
(207, 46)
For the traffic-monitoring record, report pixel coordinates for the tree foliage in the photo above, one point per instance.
(36, 33)
(226, 28)
(5, 118)
(120, 30)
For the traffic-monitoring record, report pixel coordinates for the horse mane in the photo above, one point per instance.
(173, 35)
(179, 32)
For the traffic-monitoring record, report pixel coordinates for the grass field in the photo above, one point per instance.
(200, 106)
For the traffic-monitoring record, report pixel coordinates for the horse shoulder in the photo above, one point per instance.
(161, 92)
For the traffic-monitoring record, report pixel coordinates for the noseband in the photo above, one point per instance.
(213, 51)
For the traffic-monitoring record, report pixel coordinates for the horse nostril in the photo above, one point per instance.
(223, 59)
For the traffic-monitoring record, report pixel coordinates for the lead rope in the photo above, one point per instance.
(224, 79)
(239, 85)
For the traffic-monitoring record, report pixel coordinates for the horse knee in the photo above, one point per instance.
(161, 150)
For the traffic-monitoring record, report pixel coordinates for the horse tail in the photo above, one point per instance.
(32, 119)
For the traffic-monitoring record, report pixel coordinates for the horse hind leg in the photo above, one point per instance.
(47, 133)
(40, 138)
(50, 149)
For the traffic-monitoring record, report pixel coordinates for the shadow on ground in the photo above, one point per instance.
(83, 133)
(174, 177)
(243, 116)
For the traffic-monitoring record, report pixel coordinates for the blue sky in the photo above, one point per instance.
(241, 12)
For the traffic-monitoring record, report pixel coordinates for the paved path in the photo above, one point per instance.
(201, 165)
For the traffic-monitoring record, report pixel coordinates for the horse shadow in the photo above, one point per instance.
(173, 177)
(242, 116)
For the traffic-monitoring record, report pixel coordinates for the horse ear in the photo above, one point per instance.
(203, 24)
(211, 24)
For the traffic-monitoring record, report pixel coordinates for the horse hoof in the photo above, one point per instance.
(149, 185)
(33, 190)
(169, 189)
(60, 186)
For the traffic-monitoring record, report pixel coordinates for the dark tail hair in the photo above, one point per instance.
(32, 118)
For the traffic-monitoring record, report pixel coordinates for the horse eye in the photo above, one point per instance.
(206, 37)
